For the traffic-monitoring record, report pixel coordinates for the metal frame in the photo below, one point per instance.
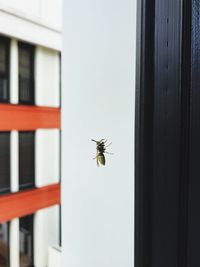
(162, 136)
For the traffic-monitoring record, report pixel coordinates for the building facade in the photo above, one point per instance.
(30, 52)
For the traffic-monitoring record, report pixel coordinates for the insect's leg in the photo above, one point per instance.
(108, 145)
(97, 162)
(109, 153)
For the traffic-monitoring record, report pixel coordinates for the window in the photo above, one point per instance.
(26, 241)
(4, 162)
(26, 160)
(4, 69)
(4, 245)
(26, 74)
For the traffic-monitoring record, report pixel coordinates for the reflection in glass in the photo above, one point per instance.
(4, 245)
(26, 160)
(26, 74)
(26, 241)
(4, 162)
(4, 69)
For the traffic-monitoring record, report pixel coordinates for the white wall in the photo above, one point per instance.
(47, 77)
(47, 157)
(36, 21)
(98, 102)
(54, 257)
(46, 234)
(46, 12)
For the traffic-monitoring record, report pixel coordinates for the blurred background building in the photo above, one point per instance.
(30, 53)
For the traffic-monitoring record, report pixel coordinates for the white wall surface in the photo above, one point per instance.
(45, 12)
(47, 157)
(54, 257)
(46, 234)
(34, 21)
(98, 102)
(47, 77)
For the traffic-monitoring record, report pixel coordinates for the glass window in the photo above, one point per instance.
(26, 241)
(26, 159)
(4, 162)
(4, 245)
(4, 69)
(26, 74)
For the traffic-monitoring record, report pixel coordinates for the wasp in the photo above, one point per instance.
(101, 150)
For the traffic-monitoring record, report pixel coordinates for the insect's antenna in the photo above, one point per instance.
(94, 140)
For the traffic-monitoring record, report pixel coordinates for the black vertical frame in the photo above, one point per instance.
(144, 132)
(162, 134)
(166, 132)
(193, 259)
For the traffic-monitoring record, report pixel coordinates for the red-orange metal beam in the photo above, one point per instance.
(28, 118)
(20, 204)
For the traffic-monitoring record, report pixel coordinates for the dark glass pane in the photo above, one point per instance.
(3, 88)
(26, 74)
(4, 69)
(4, 162)
(26, 159)
(4, 245)
(26, 241)
(2, 57)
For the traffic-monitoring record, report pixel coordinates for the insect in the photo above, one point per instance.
(101, 150)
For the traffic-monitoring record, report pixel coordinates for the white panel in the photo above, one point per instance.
(98, 102)
(47, 77)
(46, 12)
(52, 14)
(24, 29)
(14, 72)
(14, 243)
(14, 149)
(47, 157)
(54, 257)
(46, 234)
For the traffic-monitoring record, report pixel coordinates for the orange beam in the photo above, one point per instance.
(28, 118)
(16, 205)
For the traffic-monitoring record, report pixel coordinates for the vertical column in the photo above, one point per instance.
(47, 144)
(14, 243)
(14, 161)
(14, 72)
(46, 234)
(14, 224)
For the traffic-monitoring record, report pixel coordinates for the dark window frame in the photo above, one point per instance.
(28, 185)
(30, 49)
(161, 132)
(6, 41)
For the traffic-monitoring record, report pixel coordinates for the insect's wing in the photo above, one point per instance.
(102, 159)
(97, 157)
